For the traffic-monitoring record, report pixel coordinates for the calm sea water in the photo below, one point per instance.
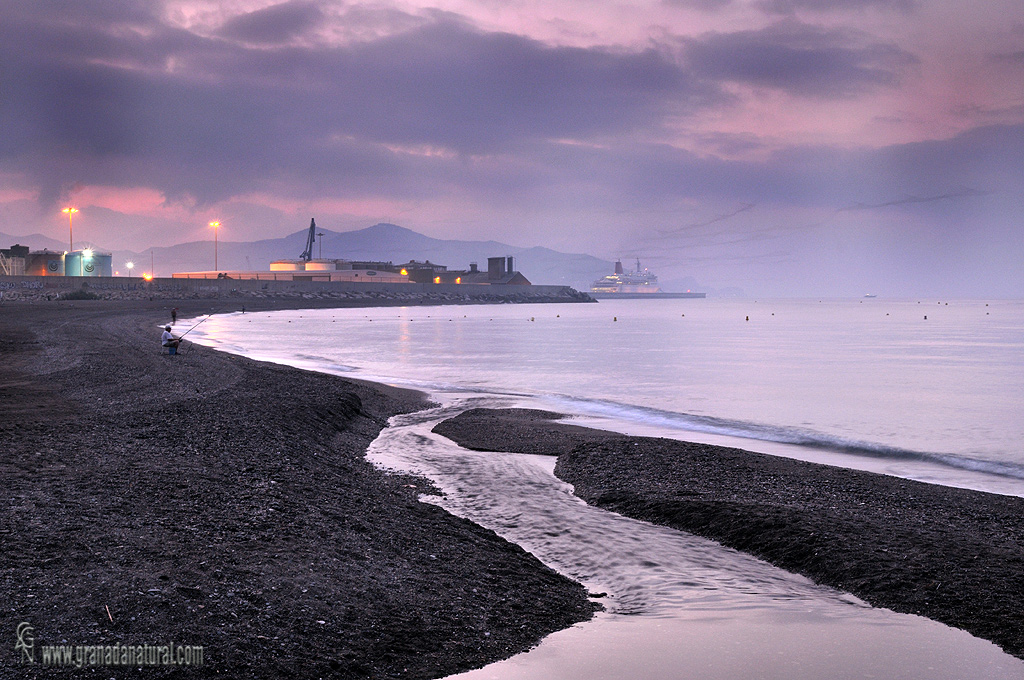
(927, 389)
(870, 384)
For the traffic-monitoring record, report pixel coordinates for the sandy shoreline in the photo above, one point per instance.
(212, 500)
(949, 554)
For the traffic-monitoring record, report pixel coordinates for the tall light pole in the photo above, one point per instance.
(320, 238)
(215, 225)
(130, 266)
(71, 233)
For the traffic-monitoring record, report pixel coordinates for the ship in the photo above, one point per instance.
(638, 283)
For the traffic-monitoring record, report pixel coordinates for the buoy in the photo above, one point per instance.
(748, 318)
(615, 318)
(925, 317)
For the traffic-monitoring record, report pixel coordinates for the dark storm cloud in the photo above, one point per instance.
(1009, 57)
(790, 6)
(705, 5)
(275, 24)
(798, 58)
(93, 102)
(974, 164)
(911, 200)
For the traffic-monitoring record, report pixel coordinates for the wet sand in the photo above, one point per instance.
(952, 555)
(208, 499)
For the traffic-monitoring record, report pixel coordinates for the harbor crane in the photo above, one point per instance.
(307, 254)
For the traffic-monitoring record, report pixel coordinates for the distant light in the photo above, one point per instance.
(87, 253)
(437, 279)
(129, 265)
(214, 224)
(147, 276)
(404, 272)
(458, 279)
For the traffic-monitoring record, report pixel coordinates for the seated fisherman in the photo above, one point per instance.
(169, 340)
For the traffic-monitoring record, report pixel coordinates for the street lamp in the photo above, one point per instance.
(215, 225)
(129, 266)
(320, 238)
(71, 233)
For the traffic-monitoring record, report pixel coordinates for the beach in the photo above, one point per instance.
(205, 499)
(952, 555)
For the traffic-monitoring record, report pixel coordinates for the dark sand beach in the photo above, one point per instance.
(952, 555)
(211, 500)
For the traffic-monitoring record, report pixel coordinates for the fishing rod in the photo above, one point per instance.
(193, 327)
(189, 331)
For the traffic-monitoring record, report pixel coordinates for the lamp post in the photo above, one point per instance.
(215, 226)
(320, 238)
(71, 233)
(129, 266)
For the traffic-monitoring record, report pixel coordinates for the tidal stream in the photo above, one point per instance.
(676, 605)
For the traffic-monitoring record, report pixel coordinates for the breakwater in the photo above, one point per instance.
(130, 288)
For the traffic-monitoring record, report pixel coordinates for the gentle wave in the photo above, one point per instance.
(780, 435)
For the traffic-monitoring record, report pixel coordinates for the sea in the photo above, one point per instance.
(925, 389)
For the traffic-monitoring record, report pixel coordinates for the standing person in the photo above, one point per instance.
(174, 316)
(168, 340)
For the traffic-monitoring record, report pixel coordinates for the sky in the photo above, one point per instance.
(784, 147)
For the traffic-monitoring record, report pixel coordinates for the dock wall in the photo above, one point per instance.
(127, 288)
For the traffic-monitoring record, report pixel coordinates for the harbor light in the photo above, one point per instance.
(86, 255)
(215, 226)
(71, 234)
(129, 266)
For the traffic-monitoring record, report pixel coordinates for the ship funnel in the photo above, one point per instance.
(618, 267)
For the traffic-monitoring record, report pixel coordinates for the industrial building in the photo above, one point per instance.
(309, 270)
(18, 260)
(500, 270)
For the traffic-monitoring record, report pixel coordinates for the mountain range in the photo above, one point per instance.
(381, 242)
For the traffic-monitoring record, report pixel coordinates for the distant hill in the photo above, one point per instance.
(33, 241)
(381, 242)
